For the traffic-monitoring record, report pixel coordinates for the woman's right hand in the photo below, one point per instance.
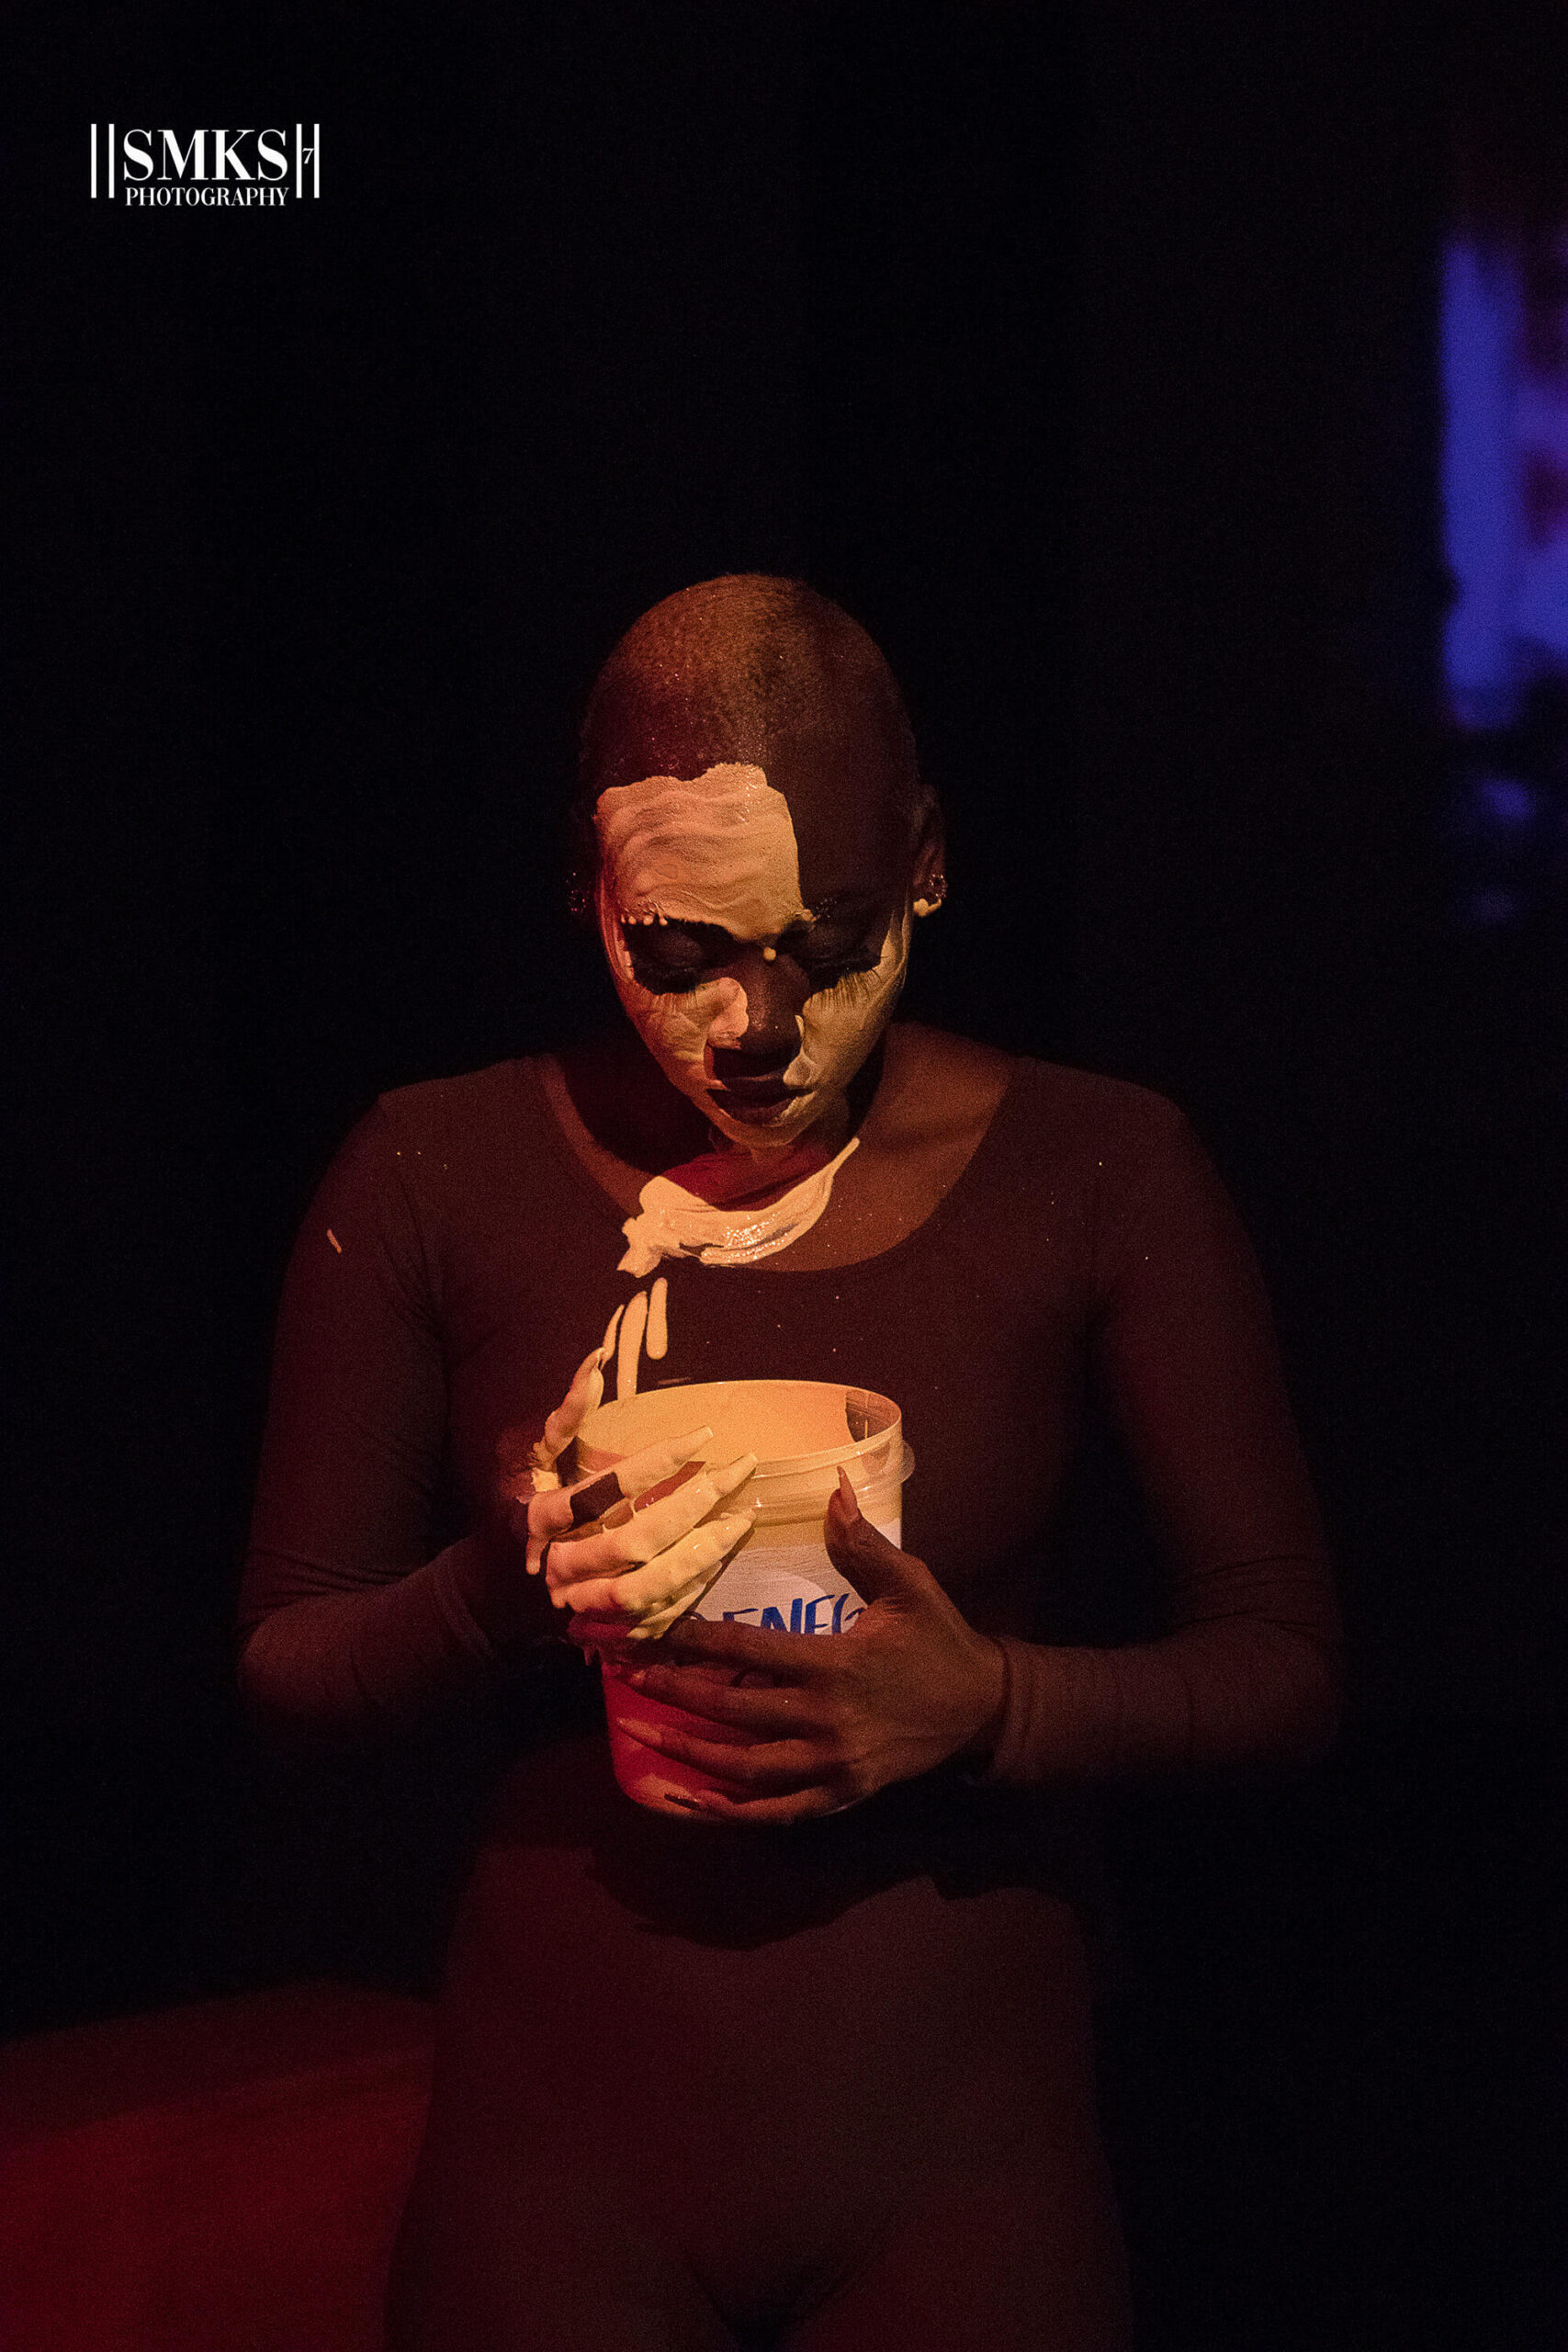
(624, 1547)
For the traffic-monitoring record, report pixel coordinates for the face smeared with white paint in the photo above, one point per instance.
(757, 1006)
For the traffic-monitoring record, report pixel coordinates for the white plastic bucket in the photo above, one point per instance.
(782, 1578)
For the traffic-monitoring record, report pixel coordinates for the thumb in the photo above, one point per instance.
(876, 1568)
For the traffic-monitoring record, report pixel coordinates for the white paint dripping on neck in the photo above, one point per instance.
(673, 1223)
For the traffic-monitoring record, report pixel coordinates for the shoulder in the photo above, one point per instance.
(445, 1143)
(936, 1085)
(437, 1107)
(1114, 1105)
(1148, 1189)
(462, 1122)
(1123, 1126)
(1044, 1105)
(1129, 1154)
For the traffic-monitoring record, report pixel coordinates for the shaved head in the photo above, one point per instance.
(751, 811)
(735, 669)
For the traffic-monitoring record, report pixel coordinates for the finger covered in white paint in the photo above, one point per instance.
(557, 1510)
(647, 1598)
(586, 1391)
(634, 1533)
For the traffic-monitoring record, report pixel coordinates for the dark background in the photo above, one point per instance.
(1087, 357)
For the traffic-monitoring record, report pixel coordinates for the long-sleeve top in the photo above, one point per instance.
(459, 1260)
(774, 2056)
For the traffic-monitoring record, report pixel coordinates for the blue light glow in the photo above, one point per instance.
(1504, 476)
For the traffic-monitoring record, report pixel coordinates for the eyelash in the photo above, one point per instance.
(661, 981)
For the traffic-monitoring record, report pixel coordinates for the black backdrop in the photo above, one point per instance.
(1085, 356)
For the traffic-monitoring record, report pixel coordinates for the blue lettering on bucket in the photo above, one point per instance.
(805, 1616)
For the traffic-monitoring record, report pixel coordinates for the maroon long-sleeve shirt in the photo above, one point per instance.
(774, 2050)
(458, 1262)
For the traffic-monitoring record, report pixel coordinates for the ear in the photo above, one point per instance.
(928, 878)
(931, 850)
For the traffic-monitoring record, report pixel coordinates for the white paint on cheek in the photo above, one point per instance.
(839, 1025)
(681, 1028)
(677, 1029)
(729, 1024)
(722, 850)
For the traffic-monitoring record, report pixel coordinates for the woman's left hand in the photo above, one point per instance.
(909, 1685)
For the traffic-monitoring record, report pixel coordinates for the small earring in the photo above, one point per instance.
(930, 906)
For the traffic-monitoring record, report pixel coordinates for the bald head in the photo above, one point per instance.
(761, 840)
(755, 670)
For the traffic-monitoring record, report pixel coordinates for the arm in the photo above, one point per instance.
(347, 1622)
(1182, 1346)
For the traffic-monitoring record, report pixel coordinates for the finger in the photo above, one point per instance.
(793, 1658)
(632, 1535)
(559, 1510)
(596, 1498)
(778, 1769)
(610, 1551)
(877, 1570)
(639, 1591)
(770, 1812)
(635, 1475)
(765, 1713)
(680, 1575)
(546, 1515)
(602, 1637)
(650, 1628)
(586, 1390)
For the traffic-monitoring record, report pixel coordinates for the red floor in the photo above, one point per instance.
(224, 2178)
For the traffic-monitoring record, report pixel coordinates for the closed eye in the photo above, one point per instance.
(674, 958)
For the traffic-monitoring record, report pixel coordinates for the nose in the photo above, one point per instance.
(776, 992)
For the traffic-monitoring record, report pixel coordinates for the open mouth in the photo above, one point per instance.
(752, 1097)
(755, 1094)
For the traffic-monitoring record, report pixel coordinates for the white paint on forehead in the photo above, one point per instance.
(720, 849)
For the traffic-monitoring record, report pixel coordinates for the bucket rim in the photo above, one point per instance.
(777, 1466)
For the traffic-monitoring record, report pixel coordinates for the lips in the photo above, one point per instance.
(751, 1098)
(751, 1103)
